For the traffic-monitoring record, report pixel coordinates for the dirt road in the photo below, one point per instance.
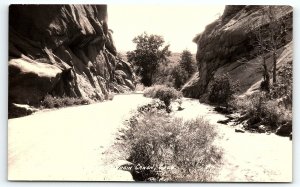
(69, 143)
(248, 157)
(73, 144)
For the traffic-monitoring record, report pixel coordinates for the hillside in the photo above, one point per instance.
(227, 46)
(63, 50)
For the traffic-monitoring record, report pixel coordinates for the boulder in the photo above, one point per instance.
(261, 129)
(254, 122)
(224, 121)
(18, 110)
(284, 130)
(223, 110)
(239, 130)
(30, 81)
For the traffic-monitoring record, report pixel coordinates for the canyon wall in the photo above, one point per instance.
(228, 46)
(63, 50)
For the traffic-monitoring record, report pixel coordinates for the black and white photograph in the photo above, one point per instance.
(150, 93)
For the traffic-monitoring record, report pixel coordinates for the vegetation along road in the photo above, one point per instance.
(74, 144)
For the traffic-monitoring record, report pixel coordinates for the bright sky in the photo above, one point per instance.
(178, 24)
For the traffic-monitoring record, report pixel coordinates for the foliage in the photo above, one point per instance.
(272, 108)
(222, 89)
(180, 76)
(174, 150)
(269, 37)
(187, 63)
(59, 102)
(258, 106)
(149, 53)
(163, 93)
(163, 75)
(176, 71)
(283, 89)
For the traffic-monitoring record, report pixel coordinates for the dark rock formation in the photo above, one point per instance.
(239, 130)
(63, 50)
(223, 110)
(285, 130)
(20, 110)
(226, 46)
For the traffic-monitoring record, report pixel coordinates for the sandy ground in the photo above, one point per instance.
(69, 143)
(75, 144)
(248, 157)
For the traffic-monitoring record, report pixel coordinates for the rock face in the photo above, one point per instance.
(226, 46)
(63, 50)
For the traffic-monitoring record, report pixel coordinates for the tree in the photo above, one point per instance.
(180, 76)
(269, 35)
(221, 89)
(149, 53)
(261, 44)
(275, 31)
(187, 62)
(273, 40)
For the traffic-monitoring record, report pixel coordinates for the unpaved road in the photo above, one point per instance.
(248, 157)
(69, 143)
(75, 144)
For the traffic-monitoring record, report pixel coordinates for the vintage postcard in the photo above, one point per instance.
(158, 93)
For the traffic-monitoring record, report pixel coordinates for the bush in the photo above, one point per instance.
(163, 93)
(222, 89)
(59, 102)
(139, 87)
(267, 112)
(170, 149)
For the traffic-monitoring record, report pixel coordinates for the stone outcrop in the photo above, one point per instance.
(226, 46)
(63, 50)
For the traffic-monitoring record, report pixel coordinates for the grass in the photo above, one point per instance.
(169, 149)
(59, 102)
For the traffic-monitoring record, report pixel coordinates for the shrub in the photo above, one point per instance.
(57, 102)
(139, 87)
(222, 89)
(163, 93)
(258, 106)
(171, 149)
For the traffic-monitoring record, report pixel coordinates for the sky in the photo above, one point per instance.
(178, 24)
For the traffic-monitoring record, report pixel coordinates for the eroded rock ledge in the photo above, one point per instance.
(63, 50)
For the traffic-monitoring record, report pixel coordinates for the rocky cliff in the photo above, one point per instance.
(228, 46)
(63, 50)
